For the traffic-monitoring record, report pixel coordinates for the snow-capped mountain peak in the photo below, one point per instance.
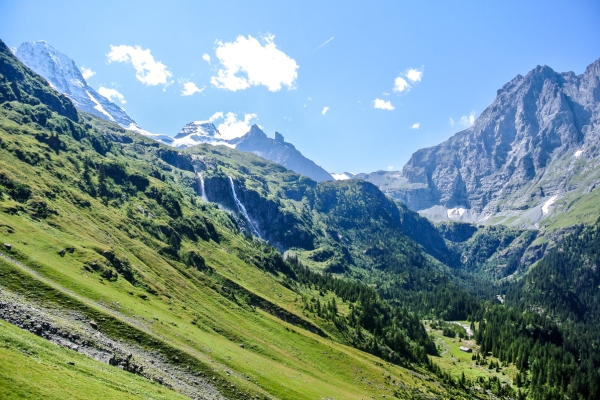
(200, 128)
(63, 75)
(197, 132)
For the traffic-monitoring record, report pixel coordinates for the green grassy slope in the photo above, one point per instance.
(109, 225)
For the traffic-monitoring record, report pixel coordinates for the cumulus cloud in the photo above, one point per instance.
(465, 120)
(246, 62)
(231, 127)
(206, 57)
(111, 94)
(468, 120)
(383, 105)
(325, 109)
(414, 75)
(147, 70)
(87, 73)
(400, 84)
(189, 88)
(390, 167)
(416, 126)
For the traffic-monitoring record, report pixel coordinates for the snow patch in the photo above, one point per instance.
(99, 107)
(456, 213)
(548, 204)
(578, 153)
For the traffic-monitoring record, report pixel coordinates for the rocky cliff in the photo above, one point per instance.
(532, 150)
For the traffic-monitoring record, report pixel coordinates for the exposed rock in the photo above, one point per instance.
(539, 138)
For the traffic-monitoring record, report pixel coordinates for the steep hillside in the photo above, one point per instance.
(109, 250)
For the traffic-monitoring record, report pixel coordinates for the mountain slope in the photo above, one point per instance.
(114, 254)
(535, 149)
(281, 152)
(64, 76)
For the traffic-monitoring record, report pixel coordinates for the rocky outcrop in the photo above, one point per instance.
(523, 149)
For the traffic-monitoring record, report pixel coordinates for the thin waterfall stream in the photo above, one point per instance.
(243, 209)
(202, 191)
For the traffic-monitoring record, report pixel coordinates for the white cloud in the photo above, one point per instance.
(112, 94)
(147, 70)
(87, 73)
(189, 88)
(246, 62)
(414, 75)
(465, 120)
(390, 167)
(468, 120)
(400, 84)
(383, 105)
(416, 126)
(216, 116)
(325, 109)
(232, 127)
(206, 57)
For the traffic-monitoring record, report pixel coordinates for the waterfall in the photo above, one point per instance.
(243, 209)
(202, 191)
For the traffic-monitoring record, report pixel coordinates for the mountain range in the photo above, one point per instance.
(64, 76)
(134, 269)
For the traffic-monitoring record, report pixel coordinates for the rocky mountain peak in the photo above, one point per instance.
(519, 153)
(255, 131)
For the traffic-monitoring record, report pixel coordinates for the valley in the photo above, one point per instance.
(141, 270)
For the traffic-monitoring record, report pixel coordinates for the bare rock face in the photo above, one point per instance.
(537, 142)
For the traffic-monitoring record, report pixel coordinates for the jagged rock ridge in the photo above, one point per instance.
(536, 143)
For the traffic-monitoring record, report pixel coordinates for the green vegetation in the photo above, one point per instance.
(48, 371)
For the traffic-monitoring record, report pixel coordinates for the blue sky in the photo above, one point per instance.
(312, 70)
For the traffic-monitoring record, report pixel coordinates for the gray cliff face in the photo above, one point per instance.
(65, 77)
(537, 142)
(281, 152)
